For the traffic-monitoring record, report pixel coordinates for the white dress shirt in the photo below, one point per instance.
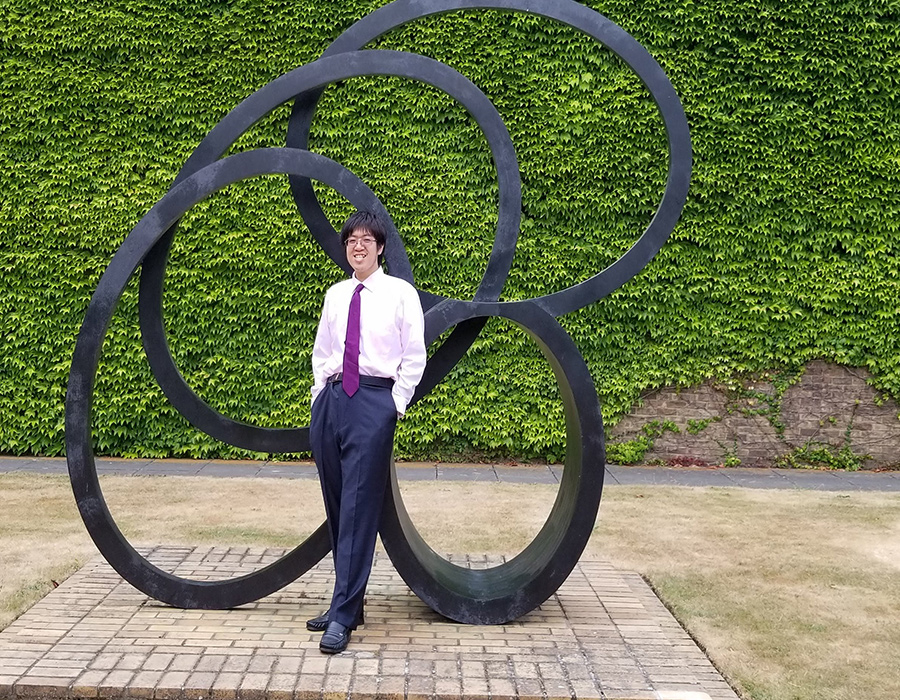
(391, 334)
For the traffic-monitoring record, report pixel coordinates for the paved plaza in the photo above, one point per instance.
(604, 634)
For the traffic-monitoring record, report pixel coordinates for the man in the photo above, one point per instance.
(368, 357)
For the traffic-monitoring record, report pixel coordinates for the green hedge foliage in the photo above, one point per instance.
(787, 250)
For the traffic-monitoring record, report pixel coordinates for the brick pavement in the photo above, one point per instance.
(604, 634)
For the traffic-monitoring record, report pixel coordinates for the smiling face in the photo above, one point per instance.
(362, 252)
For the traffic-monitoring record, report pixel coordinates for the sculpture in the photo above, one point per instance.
(484, 596)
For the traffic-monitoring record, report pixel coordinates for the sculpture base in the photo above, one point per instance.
(603, 635)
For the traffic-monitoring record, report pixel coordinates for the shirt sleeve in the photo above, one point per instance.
(412, 346)
(321, 350)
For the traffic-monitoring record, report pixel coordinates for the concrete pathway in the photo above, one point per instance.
(426, 471)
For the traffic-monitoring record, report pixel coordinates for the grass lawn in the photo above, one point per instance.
(794, 595)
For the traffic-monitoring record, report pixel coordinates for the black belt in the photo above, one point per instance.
(384, 382)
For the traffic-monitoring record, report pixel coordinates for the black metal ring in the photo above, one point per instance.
(503, 593)
(133, 567)
(610, 35)
(219, 140)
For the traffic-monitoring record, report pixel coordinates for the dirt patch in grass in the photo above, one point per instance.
(795, 595)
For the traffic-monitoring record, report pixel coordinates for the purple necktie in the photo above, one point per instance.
(350, 379)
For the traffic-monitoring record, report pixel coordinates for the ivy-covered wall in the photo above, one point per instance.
(787, 250)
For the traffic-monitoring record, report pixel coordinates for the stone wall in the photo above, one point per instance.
(826, 416)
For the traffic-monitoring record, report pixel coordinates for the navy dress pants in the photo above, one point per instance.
(352, 439)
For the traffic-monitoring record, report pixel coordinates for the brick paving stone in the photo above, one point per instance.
(448, 688)
(682, 690)
(529, 688)
(158, 662)
(556, 689)
(419, 687)
(308, 688)
(393, 667)
(87, 683)
(282, 683)
(339, 665)
(525, 669)
(288, 665)
(392, 688)
(421, 667)
(49, 671)
(262, 664)
(366, 666)
(184, 662)
(212, 663)
(13, 670)
(364, 686)
(475, 689)
(143, 684)
(501, 688)
(253, 684)
(199, 682)
(446, 668)
(336, 687)
(586, 689)
(315, 664)
(550, 670)
(631, 695)
(226, 685)
(38, 687)
(474, 670)
(170, 685)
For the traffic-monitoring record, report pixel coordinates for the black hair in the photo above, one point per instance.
(366, 221)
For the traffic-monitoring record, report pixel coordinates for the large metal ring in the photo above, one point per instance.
(502, 593)
(133, 567)
(607, 33)
(220, 139)
(610, 35)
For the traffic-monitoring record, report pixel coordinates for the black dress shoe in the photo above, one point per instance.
(335, 639)
(318, 624)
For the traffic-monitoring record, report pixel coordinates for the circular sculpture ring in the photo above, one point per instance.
(607, 33)
(226, 132)
(133, 567)
(502, 593)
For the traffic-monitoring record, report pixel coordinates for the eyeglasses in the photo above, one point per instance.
(365, 241)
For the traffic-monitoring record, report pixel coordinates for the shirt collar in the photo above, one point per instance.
(373, 280)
